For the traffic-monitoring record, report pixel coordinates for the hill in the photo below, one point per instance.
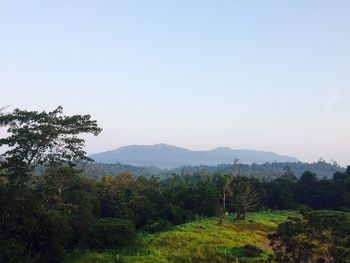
(168, 156)
(203, 240)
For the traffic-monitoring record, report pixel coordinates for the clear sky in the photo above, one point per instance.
(266, 75)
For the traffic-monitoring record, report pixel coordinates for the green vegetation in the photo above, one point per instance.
(203, 240)
(268, 171)
(317, 236)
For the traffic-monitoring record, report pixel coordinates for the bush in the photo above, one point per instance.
(297, 239)
(303, 209)
(114, 233)
(29, 234)
(9, 251)
(96, 257)
(252, 251)
(157, 226)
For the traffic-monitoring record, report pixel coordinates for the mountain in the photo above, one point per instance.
(168, 156)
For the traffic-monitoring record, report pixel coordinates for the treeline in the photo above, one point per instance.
(267, 171)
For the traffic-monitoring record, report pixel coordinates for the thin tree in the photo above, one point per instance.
(225, 186)
(245, 197)
(235, 167)
(225, 192)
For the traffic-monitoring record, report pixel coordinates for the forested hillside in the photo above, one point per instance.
(266, 171)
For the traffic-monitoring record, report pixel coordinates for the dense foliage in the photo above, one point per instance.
(268, 171)
(322, 236)
(39, 214)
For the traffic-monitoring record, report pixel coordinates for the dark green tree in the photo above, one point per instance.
(34, 222)
(307, 190)
(322, 236)
(280, 193)
(50, 138)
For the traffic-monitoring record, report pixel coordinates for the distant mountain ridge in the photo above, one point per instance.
(168, 156)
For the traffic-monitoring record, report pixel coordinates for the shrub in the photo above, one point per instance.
(252, 251)
(113, 233)
(303, 209)
(157, 226)
(9, 250)
(316, 236)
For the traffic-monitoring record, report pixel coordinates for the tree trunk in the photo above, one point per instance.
(243, 215)
(224, 202)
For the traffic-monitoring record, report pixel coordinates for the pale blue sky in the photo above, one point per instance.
(266, 75)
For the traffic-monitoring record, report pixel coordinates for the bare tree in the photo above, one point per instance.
(235, 167)
(225, 191)
(245, 197)
(225, 186)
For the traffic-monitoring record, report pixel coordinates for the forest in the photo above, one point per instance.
(266, 171)
(45, 217)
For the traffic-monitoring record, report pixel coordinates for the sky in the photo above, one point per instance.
(265, 75)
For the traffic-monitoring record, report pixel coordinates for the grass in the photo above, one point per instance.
(203, 240)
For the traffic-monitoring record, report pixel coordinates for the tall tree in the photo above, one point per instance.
(32, 218)
(224, 184)
(245, 197)
(307, 189)
(45, 138)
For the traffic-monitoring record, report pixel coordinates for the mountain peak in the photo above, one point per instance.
(162, 145)
(222, 148)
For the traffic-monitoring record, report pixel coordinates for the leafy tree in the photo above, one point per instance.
(44, 138)
(34, 215)
(341, 190)
(173, 213)
(32, 227)
(280, 193)
(322, 236)
(115, 194)
(288, 172)
(206, 199)
(307, 189)
(81, 203)
(2, 123)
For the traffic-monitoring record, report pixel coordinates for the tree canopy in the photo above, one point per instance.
(45, 138)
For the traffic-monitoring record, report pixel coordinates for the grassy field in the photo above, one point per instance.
(203, 240)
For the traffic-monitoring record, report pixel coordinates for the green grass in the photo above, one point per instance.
(203, 240)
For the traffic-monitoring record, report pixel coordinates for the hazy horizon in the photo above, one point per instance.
(271, 75)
